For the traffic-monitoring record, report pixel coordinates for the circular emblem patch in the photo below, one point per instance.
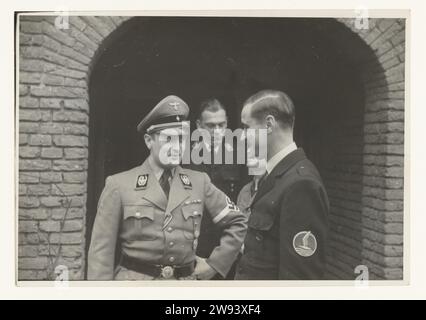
(305, 243)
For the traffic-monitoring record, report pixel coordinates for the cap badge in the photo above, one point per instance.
(305, 243)
(174, 105)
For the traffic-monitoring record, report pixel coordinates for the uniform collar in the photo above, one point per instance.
(155, 194)
(281, 168)
(272, 163)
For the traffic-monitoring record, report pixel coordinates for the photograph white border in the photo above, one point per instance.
(313, 286)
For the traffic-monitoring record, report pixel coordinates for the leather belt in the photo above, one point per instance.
(155, 271)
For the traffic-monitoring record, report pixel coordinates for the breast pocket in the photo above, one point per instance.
(138, 222)
(259, 227)
(192, 216)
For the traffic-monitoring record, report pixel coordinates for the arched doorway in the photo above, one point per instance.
(231, 59)
(348, 85)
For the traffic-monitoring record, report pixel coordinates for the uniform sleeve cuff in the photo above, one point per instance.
(222, 270)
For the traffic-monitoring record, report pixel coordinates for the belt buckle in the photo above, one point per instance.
(167, 272)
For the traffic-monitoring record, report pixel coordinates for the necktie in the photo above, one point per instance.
(257, 184)
(262, 180)
(164, 181)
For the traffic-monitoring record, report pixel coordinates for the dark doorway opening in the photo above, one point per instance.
(230, 59)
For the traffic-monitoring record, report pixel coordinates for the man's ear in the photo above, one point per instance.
(198, 123)
(270, 123)
(148, 140)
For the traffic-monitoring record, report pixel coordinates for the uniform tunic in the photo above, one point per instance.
(288, 224)
(134, 211)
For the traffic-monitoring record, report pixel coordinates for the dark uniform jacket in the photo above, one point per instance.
(288, 225)
(134, 211)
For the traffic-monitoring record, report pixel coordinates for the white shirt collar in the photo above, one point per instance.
(272, 163)
(156, 170)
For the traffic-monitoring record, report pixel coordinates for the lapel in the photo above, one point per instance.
(178, 193)
(282, 167)
(251, 200)
(153, 191)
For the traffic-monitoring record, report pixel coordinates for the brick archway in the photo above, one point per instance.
(383, 148)
(54, 70)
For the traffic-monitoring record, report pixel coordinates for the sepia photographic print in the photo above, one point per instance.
(221, 147)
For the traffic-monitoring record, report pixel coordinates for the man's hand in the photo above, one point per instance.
(203, 271)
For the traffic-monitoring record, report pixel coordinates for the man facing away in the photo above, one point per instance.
(288, 222)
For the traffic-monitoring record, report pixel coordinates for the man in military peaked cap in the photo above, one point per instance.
(153, 212)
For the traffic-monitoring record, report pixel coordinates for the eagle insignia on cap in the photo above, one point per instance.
(167, 113)
(174, 105)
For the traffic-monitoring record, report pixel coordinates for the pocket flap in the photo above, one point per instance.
(191, 211)
(260, 222)
(139, 212)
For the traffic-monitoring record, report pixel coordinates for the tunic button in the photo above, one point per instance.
(172, 259)
(138, 214)
(195, 213)
(169, 229)
(171, 243)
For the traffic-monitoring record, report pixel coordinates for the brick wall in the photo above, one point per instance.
(366, 194)
(54, 69)
(343, 180)
(53, 141)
